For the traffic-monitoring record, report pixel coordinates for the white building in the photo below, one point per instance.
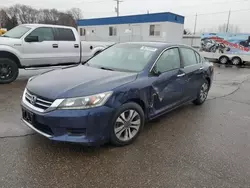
(192, 40)
(164, 27)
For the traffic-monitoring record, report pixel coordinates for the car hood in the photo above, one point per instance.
(77, 81)
(9, 41)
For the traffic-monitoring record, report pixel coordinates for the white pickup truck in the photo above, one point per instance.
(37, 45)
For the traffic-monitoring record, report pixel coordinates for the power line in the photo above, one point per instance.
(213, 13)
(98, 1)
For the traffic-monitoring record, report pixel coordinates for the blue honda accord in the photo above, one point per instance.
(111, 96)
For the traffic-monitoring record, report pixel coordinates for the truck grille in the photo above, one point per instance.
(37, 101)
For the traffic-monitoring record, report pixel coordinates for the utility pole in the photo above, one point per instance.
(117, 8)
(195, 24)
(228, 20)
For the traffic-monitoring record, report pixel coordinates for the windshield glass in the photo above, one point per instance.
(17, 32)
(124, 57)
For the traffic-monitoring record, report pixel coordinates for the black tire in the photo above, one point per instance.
(123, 109)
(223, 60)
(201, 96)
(236, 61)
(8, 70)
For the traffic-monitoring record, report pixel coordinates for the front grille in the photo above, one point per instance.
(37, 101)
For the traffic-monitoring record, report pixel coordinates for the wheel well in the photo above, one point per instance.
(224, 56)
(97, 52)
(139, 102)
(209, 81)
(237, 57)
(4, 54)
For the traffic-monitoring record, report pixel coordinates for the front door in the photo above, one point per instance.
(43, 51)
(168, 87)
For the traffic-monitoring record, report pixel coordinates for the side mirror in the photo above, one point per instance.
(155, 72)
(32, 39)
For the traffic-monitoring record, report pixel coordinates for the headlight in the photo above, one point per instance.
(85, 102)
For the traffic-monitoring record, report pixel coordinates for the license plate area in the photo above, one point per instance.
(28, 116)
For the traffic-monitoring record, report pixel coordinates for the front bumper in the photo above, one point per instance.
(90, 126)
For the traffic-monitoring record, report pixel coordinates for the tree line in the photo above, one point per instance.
(21, 14)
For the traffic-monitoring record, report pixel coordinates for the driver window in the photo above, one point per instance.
(168, 61)
(43, 33)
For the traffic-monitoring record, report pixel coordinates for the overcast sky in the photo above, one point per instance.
(187, 8)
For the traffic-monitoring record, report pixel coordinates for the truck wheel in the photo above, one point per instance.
(236, 61)
(223, 59)
(8, 71)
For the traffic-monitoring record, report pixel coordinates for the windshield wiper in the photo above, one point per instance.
(104, 68)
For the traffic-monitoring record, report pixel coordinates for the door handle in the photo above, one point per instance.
(76, 46)
(55, 45)
(181, 75)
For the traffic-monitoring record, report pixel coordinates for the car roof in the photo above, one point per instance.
(45, 25)
(160, 45)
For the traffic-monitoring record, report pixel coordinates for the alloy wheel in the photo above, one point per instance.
(204, 92)
(223, 60)
(5, 71)
(127, 125)
(236, 61)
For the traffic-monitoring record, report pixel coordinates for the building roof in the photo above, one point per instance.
(159, 45)
(141, 18)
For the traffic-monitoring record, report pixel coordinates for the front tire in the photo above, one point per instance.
(127, 124)
(223, 60)
(8, 71)
(202, 94)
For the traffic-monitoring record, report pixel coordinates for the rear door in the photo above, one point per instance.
(168, 86)
(193, 70)
(68, 45)
(43, 51)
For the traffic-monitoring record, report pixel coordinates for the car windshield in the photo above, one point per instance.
(124, 57)
(17, 32)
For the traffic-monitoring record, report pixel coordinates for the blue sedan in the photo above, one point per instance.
(111, 96)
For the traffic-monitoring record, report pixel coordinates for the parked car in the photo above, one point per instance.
(36, 45)
(111, 96)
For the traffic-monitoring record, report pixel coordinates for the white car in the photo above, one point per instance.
(37, 45)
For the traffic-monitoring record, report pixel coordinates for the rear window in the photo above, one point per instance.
(63, 34)
(198, 57)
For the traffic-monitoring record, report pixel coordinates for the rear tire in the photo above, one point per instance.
(236, 61)
(8, 70)
(127, 124)
(202, 94)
